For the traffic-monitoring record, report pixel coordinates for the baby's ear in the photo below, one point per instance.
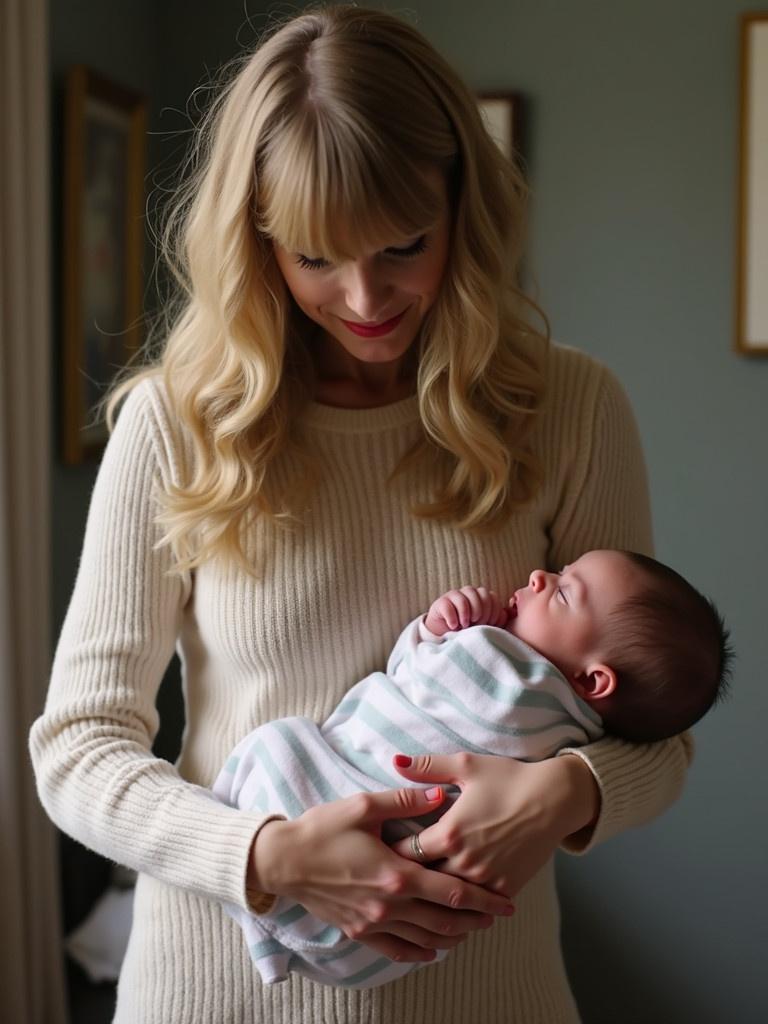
(597, 682)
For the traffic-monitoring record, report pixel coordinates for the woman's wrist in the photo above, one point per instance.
(581, 798)
(266, 854)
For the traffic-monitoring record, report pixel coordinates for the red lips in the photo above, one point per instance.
(374, 330)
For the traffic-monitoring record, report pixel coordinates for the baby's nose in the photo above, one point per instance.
(537, 580)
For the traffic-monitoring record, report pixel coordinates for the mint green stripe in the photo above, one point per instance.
(316, 741)
(302, 754)
(382, 964)
(505, 693)
(231, 765)
(259, 802)
(294, 913)
(552, 671)
(329, 936)
(366, 764)
(267, 947)
(348, 949)
(348, 706)
(287, 797)
(398, 737)
(486, 724)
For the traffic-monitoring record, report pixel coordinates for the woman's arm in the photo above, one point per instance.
(91, 749)
(604, 504)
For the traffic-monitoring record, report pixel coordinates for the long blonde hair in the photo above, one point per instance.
(334, 120)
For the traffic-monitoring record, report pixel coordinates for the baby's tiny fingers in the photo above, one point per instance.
(463, 606)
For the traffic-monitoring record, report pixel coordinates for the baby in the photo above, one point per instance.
(615, 642)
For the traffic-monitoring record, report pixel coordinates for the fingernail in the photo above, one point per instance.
(402, 760)
(434, 793)
(508, 911)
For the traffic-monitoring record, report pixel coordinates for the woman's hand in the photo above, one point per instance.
(509, 819)
(332, 861)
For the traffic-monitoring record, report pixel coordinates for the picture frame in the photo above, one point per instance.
(103, 239)
(502, 115)
(751, 333)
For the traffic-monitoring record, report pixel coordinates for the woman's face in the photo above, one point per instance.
(371, 307)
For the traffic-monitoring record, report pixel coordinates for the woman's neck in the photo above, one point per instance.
(351, 394)
(345, 382)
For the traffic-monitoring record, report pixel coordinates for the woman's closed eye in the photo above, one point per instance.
(415, 249)
(406, 252)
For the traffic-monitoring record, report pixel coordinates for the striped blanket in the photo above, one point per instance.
(479, 689)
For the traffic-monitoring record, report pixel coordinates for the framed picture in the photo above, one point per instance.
(103, 238)
(502, 114)
(752, 247)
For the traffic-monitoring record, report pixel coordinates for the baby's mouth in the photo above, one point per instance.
(512, 608)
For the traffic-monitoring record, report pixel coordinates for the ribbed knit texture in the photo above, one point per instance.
(332, 598)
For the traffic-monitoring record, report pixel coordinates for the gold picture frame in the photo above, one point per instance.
(751, 335)
(103, 239)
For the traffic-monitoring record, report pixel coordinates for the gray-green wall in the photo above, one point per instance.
(632, 112)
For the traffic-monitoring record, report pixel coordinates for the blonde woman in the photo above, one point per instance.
(353, 411)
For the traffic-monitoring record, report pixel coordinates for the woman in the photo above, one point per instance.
(351, 413)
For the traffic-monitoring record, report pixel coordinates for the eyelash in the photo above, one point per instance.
(408, 253)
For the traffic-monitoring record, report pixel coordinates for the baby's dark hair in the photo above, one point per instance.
(670, 650)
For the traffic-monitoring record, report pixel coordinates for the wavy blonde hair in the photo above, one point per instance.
(335, 119)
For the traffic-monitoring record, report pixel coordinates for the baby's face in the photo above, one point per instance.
(563, 615)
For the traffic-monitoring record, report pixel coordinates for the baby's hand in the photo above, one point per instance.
(469, 606)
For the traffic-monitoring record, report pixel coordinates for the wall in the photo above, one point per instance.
(632, 131)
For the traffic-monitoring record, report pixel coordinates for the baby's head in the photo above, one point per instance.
(645, 649)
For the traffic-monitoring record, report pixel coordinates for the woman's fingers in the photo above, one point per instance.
(374, 808)
(449, 891)
(451, 768)
(426, 939)
(399, 949)
(427, 925)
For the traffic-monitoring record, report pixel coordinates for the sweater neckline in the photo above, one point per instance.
(362, 421)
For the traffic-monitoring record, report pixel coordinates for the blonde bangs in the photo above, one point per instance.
(326, 192)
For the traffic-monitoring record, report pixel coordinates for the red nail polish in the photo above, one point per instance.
(402, 760)
(434, 793)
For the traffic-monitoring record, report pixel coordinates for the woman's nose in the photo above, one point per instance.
(367, 294)
(537, 580)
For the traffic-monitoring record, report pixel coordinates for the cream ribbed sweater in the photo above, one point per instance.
(330, 603)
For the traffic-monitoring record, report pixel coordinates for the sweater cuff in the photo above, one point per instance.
(637, 781)
(254, 900)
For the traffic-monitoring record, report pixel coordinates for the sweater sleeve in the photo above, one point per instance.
(91, 748)
(605, 505)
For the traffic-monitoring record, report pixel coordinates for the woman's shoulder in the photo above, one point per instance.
(148, 400)
(147, 411)
(578, 384)
(573, 370)
(583, 399)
